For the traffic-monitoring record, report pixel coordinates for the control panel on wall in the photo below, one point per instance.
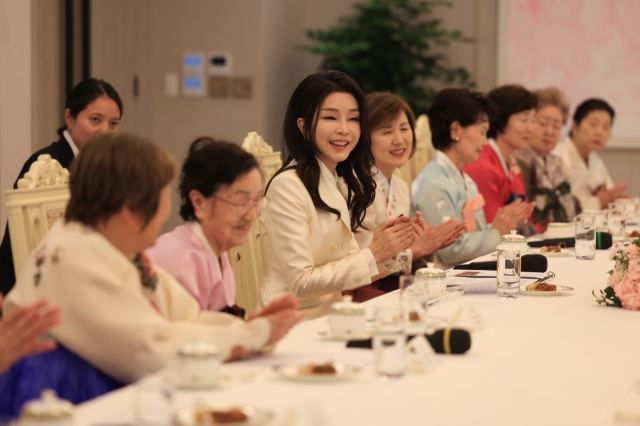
(207, 75)
(193, 75)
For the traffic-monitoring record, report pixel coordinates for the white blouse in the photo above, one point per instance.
(584, 178)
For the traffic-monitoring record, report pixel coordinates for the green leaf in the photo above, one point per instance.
(387, 45)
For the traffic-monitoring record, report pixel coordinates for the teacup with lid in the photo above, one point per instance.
(197, 365)
(347, 318)
(434, 278)
(49, 410)
(515, 240)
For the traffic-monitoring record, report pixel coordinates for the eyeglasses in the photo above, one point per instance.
(243, 208)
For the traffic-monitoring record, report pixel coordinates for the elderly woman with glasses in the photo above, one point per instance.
(221, 196)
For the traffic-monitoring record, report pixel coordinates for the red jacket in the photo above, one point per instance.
(493, 183)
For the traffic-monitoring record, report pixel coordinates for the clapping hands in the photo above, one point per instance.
(21, 329)
(430, 239)
(511, 215)
(392, 237)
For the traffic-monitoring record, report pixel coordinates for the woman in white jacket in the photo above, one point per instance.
(320, 197)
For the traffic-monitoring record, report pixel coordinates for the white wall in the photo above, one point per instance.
(15, 93)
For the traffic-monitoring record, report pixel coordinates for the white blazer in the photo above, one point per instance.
(310, 253)
(584, 179)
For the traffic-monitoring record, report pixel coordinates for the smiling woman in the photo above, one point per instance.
(542, 172)
(393, 141)
(587, 174)
(320, 197)
(496, 172)
(221, 196)
(459, 121)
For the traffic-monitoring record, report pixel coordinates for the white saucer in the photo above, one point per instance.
(328, 334)
(435, 296)
(219, 382)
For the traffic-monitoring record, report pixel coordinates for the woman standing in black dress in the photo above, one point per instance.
(92, 106)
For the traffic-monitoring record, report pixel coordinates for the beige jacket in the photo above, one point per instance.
(310, 253)
(108, 318)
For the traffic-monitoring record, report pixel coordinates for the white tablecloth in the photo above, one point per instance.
(539, 361)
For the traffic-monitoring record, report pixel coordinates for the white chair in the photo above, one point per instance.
(246, 260)
(423, 154)
(40, 200)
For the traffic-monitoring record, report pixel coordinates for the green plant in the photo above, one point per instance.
(387, 45)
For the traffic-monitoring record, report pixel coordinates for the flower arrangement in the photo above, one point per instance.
(623, 287)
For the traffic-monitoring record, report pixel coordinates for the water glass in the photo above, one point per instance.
(633, 217)
(153, 391)
(586, 226)
(389, 342)
(414, 297)
(508, 274)
(616, 221)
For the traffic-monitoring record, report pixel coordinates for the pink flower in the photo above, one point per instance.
(628, 290)
(632, 251)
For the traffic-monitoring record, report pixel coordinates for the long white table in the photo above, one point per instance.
(539, 361)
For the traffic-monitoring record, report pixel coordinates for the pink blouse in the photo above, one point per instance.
(189, 258)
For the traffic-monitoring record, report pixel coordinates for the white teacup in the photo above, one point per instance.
(197, 365)
(347, 318)
(436, 287)
(435, 279)
(559, 230)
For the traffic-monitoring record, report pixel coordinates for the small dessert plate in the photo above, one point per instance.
(565, 252)
(304, 373)
(560, 289)
(201, 415)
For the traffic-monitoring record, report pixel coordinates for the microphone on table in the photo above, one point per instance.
(530, 263)
(444, 341)
(603, 240)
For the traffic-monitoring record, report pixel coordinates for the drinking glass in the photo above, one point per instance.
(414, 298)
(152, 392)
(616, 221)
(508, 274)
(586, 226)
(632, 218)
(389, 342)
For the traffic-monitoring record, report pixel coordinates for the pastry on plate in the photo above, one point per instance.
(541, 287)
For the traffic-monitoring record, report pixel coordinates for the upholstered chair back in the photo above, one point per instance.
(41, 199)
(246, 260)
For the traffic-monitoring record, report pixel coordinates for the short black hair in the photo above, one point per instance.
(210, 164)
(84, 93)
(591, 105)
(510, 99)
(461, 105)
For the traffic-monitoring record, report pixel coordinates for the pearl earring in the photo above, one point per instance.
(457, 139)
